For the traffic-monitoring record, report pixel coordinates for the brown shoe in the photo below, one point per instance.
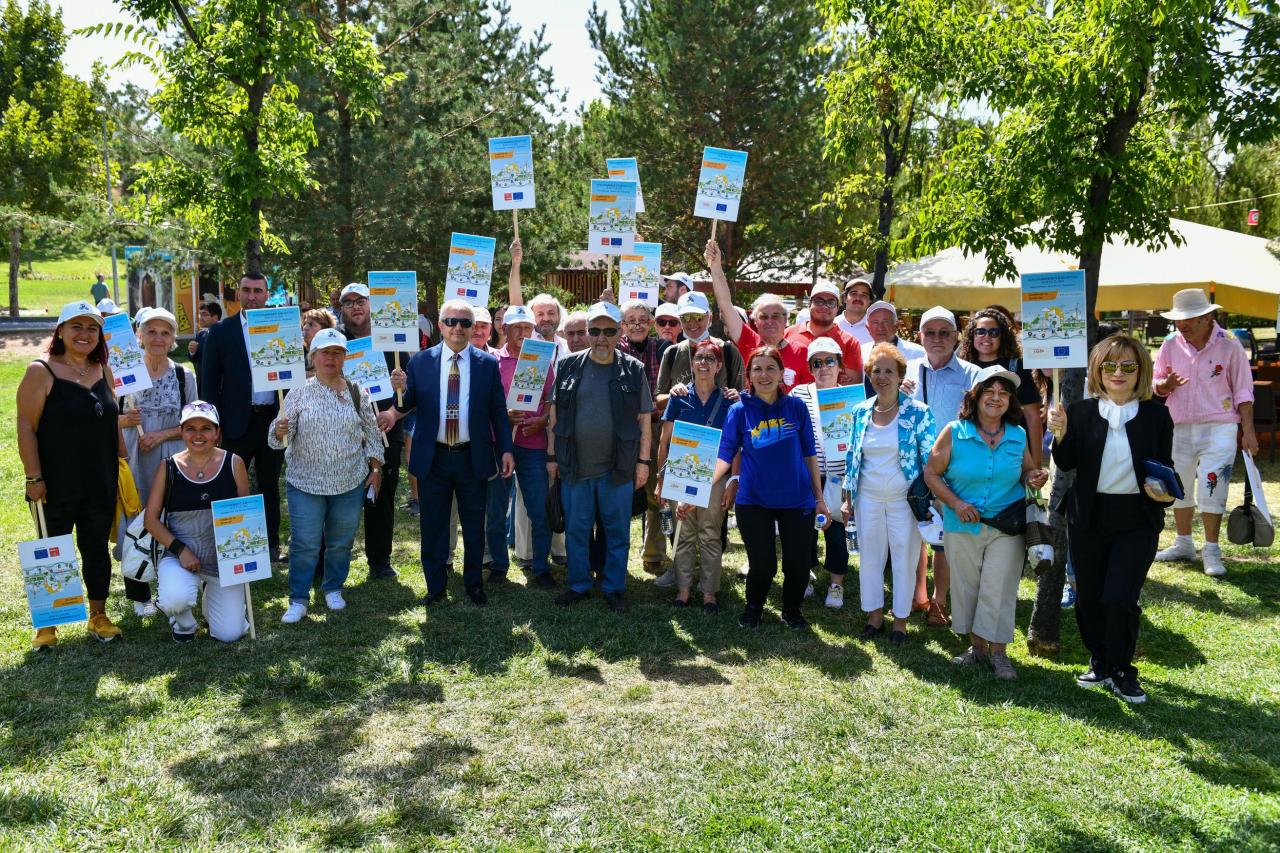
(937, 617)
(101, 627)
(45, 638)
(920, 606)
(653, 567)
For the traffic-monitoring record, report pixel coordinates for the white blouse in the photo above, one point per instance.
(1116, 476)
(330, 445)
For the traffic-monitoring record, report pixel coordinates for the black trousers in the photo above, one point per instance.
(91, 517)
(380, 516)
(1111, 559)
(253, 449)
(837, 559)
(755, 524)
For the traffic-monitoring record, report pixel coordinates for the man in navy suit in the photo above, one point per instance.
(227, 382)
(462, 429)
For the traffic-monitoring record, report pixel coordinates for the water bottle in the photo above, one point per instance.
(851, 534)
(819, 520)
(667, 519)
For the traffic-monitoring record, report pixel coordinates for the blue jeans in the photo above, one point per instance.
(582, 499)
(313, 518)
(531, 469)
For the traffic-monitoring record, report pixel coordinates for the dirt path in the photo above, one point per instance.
(23, 345)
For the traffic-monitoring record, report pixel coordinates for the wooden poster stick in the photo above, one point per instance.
(1057, 388)
(248, 609)
(280, 401)
(515, 221)
(37, 515)
(374, 406)
(714, 223)
(399, 394)
(608, 275)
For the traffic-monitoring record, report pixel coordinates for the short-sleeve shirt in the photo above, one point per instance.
(691, 409)
(593, 426)
(802, 336)
(795, 361)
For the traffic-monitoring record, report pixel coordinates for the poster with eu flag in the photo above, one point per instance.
(511, 172)
(366, 367)
(533, 365)
(51, 574)
(1054, 320)
(470, 271)
(240, 536)
(276, 361)
(611, 229)
(393, 310)
(724, 171)
(691, 462)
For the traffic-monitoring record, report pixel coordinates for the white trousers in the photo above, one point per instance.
(224, 607)
(1203, 455)
(886, 529)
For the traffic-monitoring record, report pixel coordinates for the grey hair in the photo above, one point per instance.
(768, 299)
(631, 304)
(458, 304)
(546, 299)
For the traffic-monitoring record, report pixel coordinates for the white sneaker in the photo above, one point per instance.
(334, 600)
(1182, 550)
(294, 614)
(1213, 560)
(145, 608)
(835, 596)
(808, 591)
(665, 580)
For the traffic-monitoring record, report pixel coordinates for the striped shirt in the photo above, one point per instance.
(329, 444)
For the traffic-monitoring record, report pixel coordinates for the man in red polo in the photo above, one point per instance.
(824, 304)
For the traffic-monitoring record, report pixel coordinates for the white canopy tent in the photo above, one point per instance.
(1237, 269)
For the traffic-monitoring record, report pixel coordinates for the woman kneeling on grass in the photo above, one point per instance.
(977, 469)
(195, 478)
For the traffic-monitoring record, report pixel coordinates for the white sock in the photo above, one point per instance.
(1211, 546)
(1183, 540)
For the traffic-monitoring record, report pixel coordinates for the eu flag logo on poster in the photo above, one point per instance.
(375, 389)
(525, 398)
(42, 553)
(615, 241)
(129, 380)
(517, 196)
(721, 207)
(400, 338)
(286, 374)
(1061, 352)
(690, 490)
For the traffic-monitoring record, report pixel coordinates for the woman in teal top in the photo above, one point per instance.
(978, 467)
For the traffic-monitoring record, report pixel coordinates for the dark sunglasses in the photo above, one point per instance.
(1126, 367)
(596, 331)
(993, 332)
(946, 333)
(668, 321)
(829, 361)
(457, 321)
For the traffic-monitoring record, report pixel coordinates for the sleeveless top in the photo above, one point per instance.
(189, 510)
(989, 478)
(78, 440)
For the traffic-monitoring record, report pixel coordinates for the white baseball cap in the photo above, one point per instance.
(683, 278)
(326, 338)
(937, 312)
(146, 315)
(824, 346)
(604, 309)
(107, 306)
(995, 371)
(825, 287)
(864, 280)
(79, 308)
(667, 309)
(882, 306)
(517, 314)
(199, 409)
(354, 287)
(481, 315)
(693, 302)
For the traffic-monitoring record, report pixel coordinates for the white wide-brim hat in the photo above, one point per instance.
(1190, 303)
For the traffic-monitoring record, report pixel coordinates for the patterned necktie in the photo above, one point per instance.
(451, 402)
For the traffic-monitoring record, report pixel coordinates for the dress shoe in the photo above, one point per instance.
(441, 597)
(544, 581)
(477, 596)
(617, 601)
(382, 573)
(496, 577)
(570, 597)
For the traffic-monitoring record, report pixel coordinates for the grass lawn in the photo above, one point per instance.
(62, 281)
(524, 725)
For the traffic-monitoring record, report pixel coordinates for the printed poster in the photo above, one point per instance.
(124, 355)
(611, 228)
(393, 310)
(720, 183)
(640, 274)
(367, 367)
(470, 270)
(511, 172)
(626, 169)
(240, 535)
(533, 365)
(275, 349)
(1054, 322)
(51, 574)
(835, 417)
(691, 462)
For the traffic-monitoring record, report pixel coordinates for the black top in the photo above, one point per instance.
(188, 495)
(79, 440)
(1150, 437)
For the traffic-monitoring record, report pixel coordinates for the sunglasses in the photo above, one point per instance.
(457, 321)
(830, 361)
(705, 359)
(691, 318)
(1126, 367)
(946, 333)
(596, 331)
(668, 322)
(993, 332)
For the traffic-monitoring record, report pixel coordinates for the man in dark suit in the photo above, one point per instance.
(462, 429)
(227, 383)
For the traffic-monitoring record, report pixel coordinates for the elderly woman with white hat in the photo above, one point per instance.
(184, 489)
(150, 420)
(69, 442)
(1203, 373)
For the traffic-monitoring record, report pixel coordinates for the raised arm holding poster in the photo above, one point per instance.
(532, 368)
(720, 185)
(626, 169)
(835, 416)
(393, 310)
(612, 217)
(276, 359)
(690, 463)
(640, 274)
(124, 355)
(470, 271)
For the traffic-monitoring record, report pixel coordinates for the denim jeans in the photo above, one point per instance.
(531, 469)
(311, 517)
(582, 499)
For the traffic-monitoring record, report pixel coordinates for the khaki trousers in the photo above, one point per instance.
(985, 570)
(699, 541)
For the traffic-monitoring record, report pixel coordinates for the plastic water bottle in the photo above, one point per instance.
(667, 520)
(819, 520)
(851, 534)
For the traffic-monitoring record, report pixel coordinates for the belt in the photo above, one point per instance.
(457, 448)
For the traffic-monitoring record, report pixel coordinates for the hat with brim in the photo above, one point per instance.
(517, 315)
(79, 308)
(481, 315)
(604, 309)
(199, 410)
(824, 346)
(355, 288)
(693, 302)
(107, 306)
(328, 338)
(682, 278)
(882, 306)
(1189, 304)
(856, 280)
(995, 371)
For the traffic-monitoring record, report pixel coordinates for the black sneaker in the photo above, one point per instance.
(617, 601)
(570, 597)
(179, 637)
(710, 608)
(560, 561)
(496, 577)
(870, 632)
(383, 573)
(544, 581)
(1128, 689)
(750, 618)
(793, 620)
(898, 638)
(1093, 678)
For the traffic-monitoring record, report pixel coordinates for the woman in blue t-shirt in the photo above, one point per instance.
(779, 485)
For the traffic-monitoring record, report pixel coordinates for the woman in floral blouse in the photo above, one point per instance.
(888, 448)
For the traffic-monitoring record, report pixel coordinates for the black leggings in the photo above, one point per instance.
(91, 517)
(755, 524)
(1111, 559)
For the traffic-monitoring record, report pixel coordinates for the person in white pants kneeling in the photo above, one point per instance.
(184, 489)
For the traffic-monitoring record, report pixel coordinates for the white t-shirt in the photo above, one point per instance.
(858, 330)
(881, 476)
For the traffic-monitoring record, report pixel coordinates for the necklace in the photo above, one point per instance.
(83, 371)
(991, 433)
(199, 471)
(886, 411)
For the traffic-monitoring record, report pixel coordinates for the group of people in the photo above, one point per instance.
(949, 436)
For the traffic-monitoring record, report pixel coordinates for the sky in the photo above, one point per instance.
(570, 55)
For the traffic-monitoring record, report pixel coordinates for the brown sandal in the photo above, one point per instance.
(937, 617)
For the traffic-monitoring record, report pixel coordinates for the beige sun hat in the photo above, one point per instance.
(1190, 303)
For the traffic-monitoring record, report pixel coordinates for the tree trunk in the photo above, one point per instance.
(346, 203)
(895, 136)
(15, 259)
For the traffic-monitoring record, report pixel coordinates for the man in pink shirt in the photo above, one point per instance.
(1204, 374)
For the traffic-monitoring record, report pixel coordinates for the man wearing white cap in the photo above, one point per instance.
(667, 320)
(1204, 374)
(482, 329)
(676, 285)
(858, 296)
(824, 304)
(600, 441)
(106, 308)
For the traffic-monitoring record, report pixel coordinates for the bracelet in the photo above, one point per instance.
(551, 457)
(648, 462)
(36, 479)
(733, 479)
(176, 547)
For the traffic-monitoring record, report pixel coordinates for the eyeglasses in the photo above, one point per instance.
(691, 318)
(993, 332)
(705, 359)
(464, 322)
(359, 300)
(823, 303)
(946, 333)
(608, 332)
(667, 322)
(1128, 368)
(830, 361)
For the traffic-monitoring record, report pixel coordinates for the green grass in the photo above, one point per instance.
(55, 283)
(524, 725)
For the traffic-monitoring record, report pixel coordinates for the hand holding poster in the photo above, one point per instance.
(470, 271)
(691, 462)
(720, 184)
(1054, 331)
(393, 310)
(835, 417)
(611, 228)
(276, 359)
(366, 367)
(51, 574)
(626, 169)
(641, 274)
(533, 365)
(124, 355)
(511, 172)
(240, 536)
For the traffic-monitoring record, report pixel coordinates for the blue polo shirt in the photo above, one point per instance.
(693, 410)
(775, 440)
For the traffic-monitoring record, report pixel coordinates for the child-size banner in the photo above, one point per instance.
(533, 365)
(835, 417)
(1054, 330)
(720, 183)
(393, 310)
(367, 367)
(51, 574)
(470, 271)
(511, 172)
(691, 462)
(612, 226)
(640, 274)
(124, 355)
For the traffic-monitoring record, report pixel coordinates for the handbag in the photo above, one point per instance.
(1247, 525)
(1012, 520)
(555, 508)
(1039, 535)
(140, 553)
(919, 498)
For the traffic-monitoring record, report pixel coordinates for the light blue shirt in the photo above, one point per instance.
(942, 390)
(988, 478)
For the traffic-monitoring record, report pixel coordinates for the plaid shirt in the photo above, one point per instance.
(649, 354)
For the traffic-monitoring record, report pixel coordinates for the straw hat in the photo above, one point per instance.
(1190, 303)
